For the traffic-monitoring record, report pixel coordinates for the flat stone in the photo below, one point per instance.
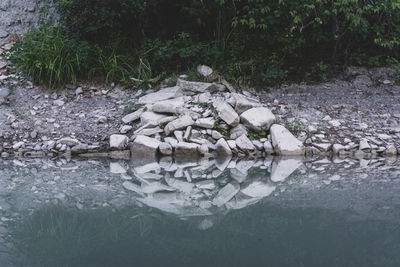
(133, 116)
(118, 141)
(68, 141)
(364, 145)
(244, 144)
(189, 149)
(150, 131)
(391, 150)
(163, 94)
(269, 150)
(198, 87)
(18, 145)
(244, 103)
(227, 114)
(336, 148)
(335, 123)
(144, 146)
(216, 135)
(284, 142)
(151, 119)
(169, 106)
(178, 124)
(207, 123)
(223, 148)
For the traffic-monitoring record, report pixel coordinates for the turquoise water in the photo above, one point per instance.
(80, 213)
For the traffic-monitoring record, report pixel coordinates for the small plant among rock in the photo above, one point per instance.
(254, 135)
(295, 127)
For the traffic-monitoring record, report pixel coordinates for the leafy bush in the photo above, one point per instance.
(50, 57)
(258, 42)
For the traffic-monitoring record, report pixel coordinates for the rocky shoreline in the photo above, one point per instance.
(190, 118)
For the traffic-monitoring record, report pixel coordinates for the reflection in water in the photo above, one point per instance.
(269, 212)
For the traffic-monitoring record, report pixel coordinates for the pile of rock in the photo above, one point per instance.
(199, 118)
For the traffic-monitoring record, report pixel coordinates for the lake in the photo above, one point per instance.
(207, 212)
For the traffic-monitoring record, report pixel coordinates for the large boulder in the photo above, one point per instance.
(284, 142)
(163, 94)
(178, 124)
(258, 119)
(243, 103)
(144, 146)
(169, 106)
(227, 114)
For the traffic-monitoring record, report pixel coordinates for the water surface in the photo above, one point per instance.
(269, 212)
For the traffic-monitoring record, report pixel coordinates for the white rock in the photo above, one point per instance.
(18, 145)
(163, 94)
(189, 149)
(169, 106)
(199, 87)
(151, 119)
(133, 116)
(384, 137)
(284, 142)
(207, 123)
(223, 148)
(244, 144)
(144, 146)
(118, 141)
(364, 145)
(226, 194)
(335, 123)
(283, 167)
(125, 128)
(172, 141)
(216, 135)
(258, 119)
(150, 131)
(269, 150)
(178, 124)
(243, 103)
(232, 144)
(227, 114)
(258, 145)
(204, 70)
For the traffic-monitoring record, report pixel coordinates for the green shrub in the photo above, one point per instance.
(49, 57)
(258, 42)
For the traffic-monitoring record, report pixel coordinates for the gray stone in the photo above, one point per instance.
(150, 131)
(391, 150)
(178, 124)
(258, 119)
(244, 144)
(216, 135)
(258, 145)
(125, 128)
(133, 116)
(169, 106)
(151, 119)
(207, 123)
(284, 141)
(336, 148)
(187, 149)
(144, 146)
(163, 94)
(223, 148)
(204, 70)
(118, 141)
(364, 145)
(68, 141)
(227, 114)
(198, 87)
(244, 103)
